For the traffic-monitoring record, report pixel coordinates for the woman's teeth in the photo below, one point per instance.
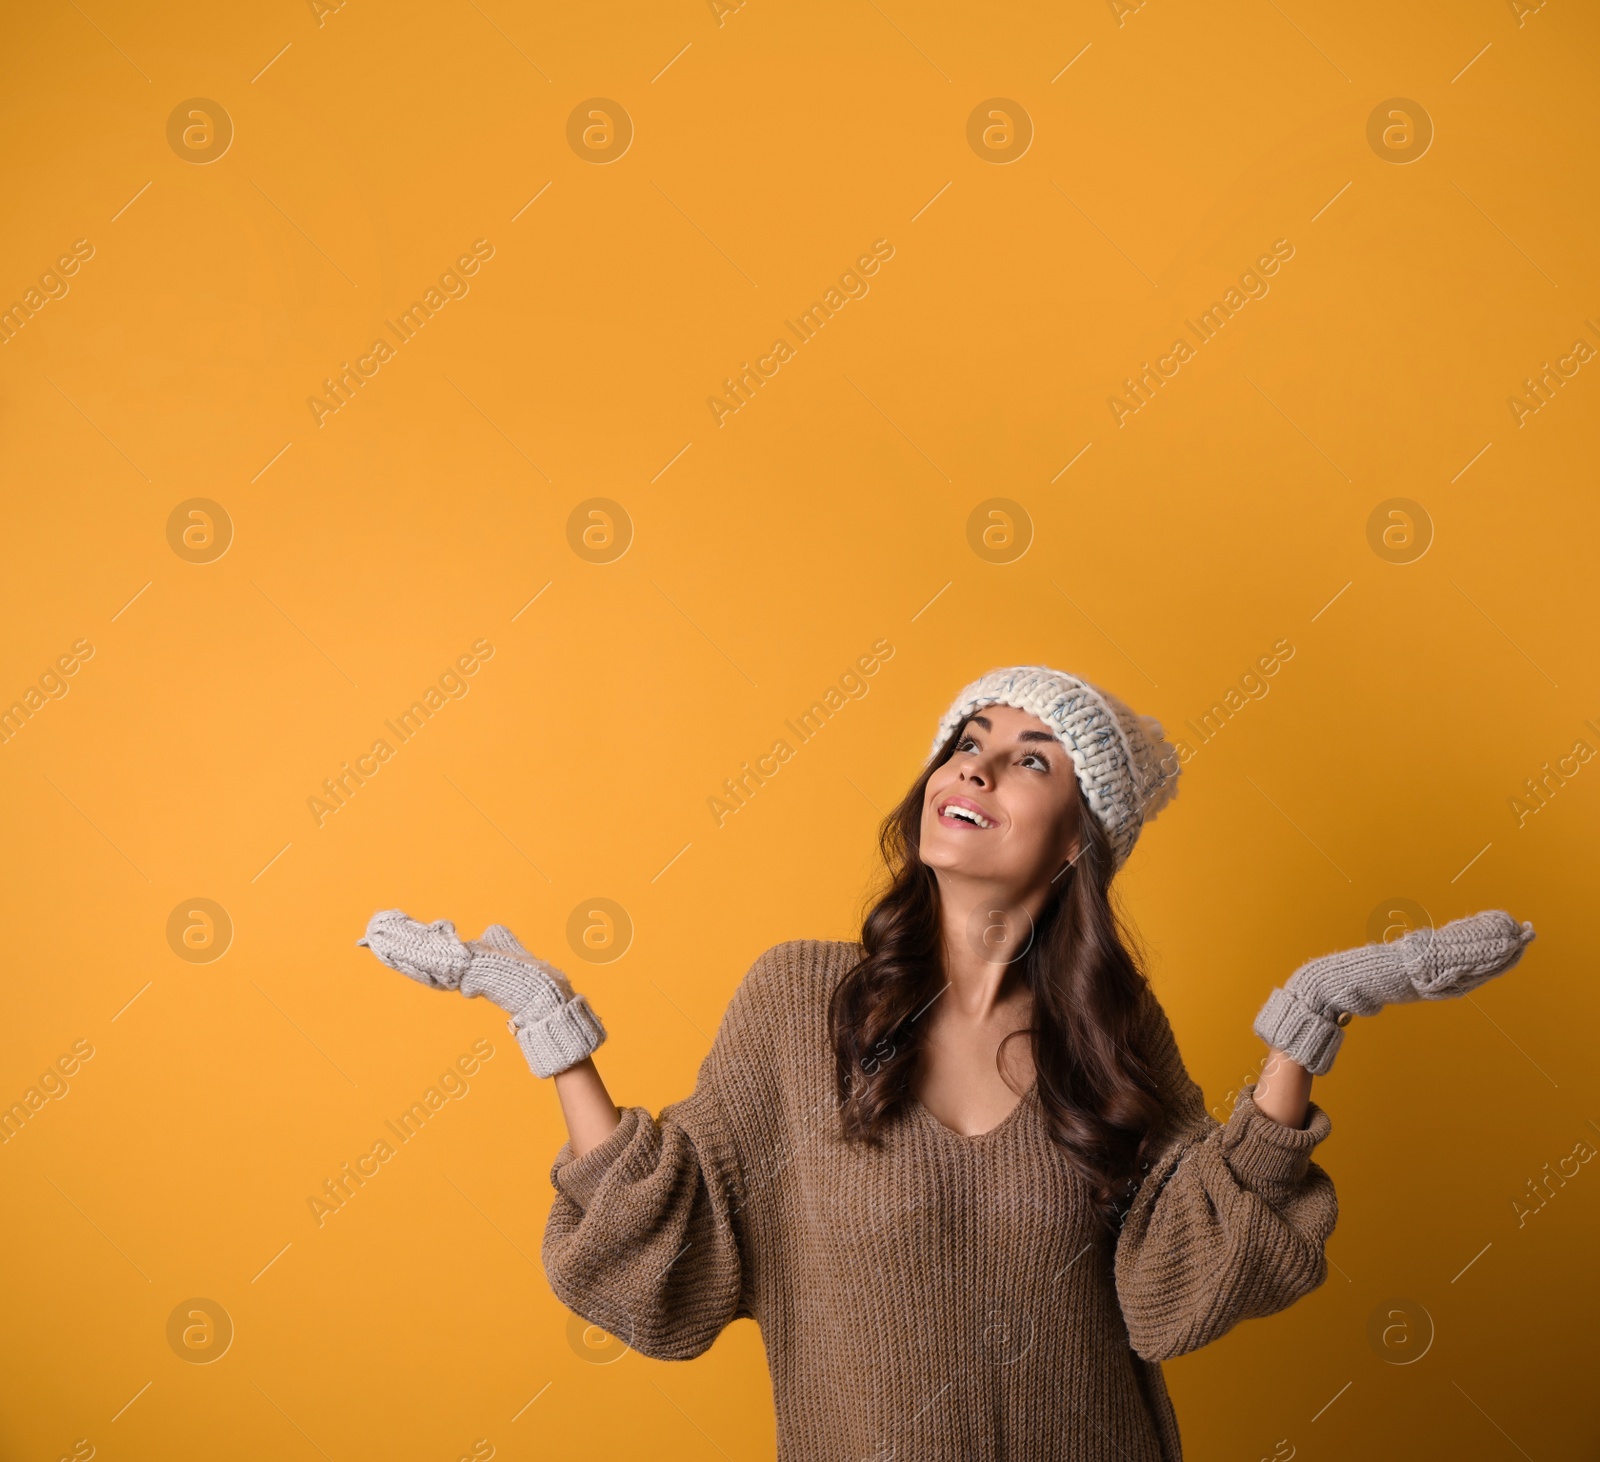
(966, 814)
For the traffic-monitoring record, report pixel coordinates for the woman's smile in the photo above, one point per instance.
(963, 812)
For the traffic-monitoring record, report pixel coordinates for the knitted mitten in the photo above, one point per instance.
(1305, 1017)
(555, 1026)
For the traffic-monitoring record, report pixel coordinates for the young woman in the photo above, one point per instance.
(957, 1171)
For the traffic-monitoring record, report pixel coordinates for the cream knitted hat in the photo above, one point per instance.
(1126, 767)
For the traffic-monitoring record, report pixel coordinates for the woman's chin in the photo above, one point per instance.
(960, 863)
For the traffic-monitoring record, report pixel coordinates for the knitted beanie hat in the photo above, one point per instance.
(1126, 767)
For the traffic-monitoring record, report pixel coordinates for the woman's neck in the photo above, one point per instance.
(984, 932)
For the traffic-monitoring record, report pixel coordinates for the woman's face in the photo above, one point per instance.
(1009, 769)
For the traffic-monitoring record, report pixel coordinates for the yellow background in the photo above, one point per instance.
(772, 145)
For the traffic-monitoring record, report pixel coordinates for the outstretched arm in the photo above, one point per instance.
(1231, 1219)
(586, 1104)
(554, 1025)
(1283, 1090)
(654, 1231)
(648, 1233)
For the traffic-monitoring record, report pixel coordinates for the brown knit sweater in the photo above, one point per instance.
(944, 1298)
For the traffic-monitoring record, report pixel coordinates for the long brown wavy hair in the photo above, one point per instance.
(1096, 1087)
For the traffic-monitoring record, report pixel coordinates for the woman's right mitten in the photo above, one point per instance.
(554, 1025)
(1305, 1018)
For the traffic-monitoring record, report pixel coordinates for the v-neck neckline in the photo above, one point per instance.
(1009, 1120)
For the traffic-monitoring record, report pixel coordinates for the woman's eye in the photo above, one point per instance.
(1036, 759)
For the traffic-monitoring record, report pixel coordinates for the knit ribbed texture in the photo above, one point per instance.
(1286, 1023)
(554, 1027)
(1300, 1017)
(1127, 770)
(943, 1298)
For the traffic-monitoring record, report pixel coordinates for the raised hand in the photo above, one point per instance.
(1305, 1018)
(555, 1026)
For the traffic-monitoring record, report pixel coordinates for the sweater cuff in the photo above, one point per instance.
(578, 1177)
(1264, 1152)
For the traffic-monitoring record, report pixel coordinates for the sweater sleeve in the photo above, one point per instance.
(648, 1235)
(1230, 1221)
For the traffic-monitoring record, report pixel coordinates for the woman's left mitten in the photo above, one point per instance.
(1305, 1017)
(1465, 953)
